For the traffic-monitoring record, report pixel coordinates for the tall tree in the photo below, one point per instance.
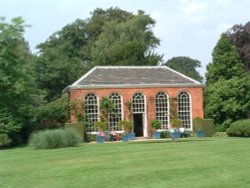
(227, 85)
(17, 85)
(108, 37)
(239, 35)
(226, 62)
(127, 43)
(186, 66)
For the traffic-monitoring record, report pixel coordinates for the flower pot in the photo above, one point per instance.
(156, 135)
(176, 134)
(100, 139)
(200, 133)
(125, 138)
(131, 136)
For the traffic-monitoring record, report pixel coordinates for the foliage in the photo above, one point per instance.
(128, 41)
(155, 124)
(125, 125)
(176, 123)
(101, 126)
(51, 139)
(173, 107)
(227, 95)
(198, 124)
(240, 128)
(165, 134)
(220, 134)
(53, 114)
(226, 62)
(17, 85)
(239, 36)
(123, 39)
(107, 106)
(4, 140)
(228, 100)
(78, 127)
(90, 138)
(186, 66)
(206, 125)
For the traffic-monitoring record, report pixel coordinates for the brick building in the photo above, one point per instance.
(147, 90)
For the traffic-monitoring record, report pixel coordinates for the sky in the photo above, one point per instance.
(185, 27)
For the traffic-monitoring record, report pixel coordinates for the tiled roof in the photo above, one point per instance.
(133, 76)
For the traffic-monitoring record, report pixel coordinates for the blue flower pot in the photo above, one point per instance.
(200, 133)
(131, 136)
(175, 134)
(100, 139)
(156, 135)
(125, 138)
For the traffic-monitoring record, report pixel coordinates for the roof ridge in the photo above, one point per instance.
(105, 67)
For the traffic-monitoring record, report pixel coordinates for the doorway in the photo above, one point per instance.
(138, 124)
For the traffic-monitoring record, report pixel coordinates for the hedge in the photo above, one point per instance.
(239, 128)
(206, 125)
(78, 127)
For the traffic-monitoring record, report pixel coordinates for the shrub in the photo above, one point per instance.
(78, 127)
(165, 134)
(126, 125)
(239, 128)
(90, 138)
(51, 139)
(4, 140)
(176, 123)
(220, 134)
(101, 126)
(206, 125)
(155, 124)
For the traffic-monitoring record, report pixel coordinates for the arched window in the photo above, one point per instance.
(161, 109)
(116, 116)
(138, 104)
(91, 111)
(184, 109)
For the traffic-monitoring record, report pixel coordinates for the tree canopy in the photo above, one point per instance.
(186, 66)
(108, 37)
(227, 85)
(16, 77)
(239, 36)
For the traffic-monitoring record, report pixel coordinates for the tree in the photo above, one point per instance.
(227, 92)
(186, 66)
(108, 37)
(226, 62)
(239, 36)
(127, 43)
(17, 85)
(227, 101)
(62, 59)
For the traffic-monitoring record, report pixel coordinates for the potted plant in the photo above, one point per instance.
(127, 128)
(155, 125)
(198, 124)
(101, 127)
(176, 125)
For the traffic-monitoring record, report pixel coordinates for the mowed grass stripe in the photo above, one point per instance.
(208, 162)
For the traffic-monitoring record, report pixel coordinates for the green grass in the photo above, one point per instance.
(208, 162)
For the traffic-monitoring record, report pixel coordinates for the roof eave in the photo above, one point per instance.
(72, 87)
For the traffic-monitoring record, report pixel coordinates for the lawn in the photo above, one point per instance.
(208, 162)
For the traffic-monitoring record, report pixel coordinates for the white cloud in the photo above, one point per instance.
(193, 10)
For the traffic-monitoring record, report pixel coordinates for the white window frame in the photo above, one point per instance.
(91, 110)
(162, 109)
(116, 116)
(184, 109)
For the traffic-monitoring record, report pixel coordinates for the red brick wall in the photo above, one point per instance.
(149, 93)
